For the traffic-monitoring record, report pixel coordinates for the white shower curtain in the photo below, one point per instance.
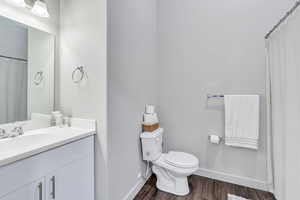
(284, 88)
(13, 90)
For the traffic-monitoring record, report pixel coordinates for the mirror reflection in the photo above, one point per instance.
(26, 72)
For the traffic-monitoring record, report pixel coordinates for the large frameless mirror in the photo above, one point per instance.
(26, 72)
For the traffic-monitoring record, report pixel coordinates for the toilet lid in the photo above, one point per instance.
(181, 159)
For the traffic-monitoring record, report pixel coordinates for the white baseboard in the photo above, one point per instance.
(136, 188)
(239, 180)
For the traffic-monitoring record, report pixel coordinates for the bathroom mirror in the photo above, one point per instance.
(26, 71)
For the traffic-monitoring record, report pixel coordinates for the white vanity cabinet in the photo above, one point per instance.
(63, 173)
(73, 181)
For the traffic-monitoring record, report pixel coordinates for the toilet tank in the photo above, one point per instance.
(152, 144)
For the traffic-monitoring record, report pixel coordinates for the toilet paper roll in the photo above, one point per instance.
(150, 118)
(214, 139)
(150, 109)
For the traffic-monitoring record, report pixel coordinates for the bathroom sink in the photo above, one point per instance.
(37, 141)
(22, 142)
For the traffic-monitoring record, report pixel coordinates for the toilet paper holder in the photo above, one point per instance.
(220, 138)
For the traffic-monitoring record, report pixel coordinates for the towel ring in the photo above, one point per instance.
(38, 78)
(82, 74)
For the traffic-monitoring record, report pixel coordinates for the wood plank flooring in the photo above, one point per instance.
(202, 189)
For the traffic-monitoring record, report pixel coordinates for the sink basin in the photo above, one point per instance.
(37, 141)
(22, 142)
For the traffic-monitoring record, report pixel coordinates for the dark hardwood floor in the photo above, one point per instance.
(202, 189)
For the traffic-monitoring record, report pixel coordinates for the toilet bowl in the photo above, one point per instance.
(172, 168)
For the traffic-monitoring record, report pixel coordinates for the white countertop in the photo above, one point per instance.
(37, 141)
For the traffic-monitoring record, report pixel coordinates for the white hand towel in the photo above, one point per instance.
(242, 121)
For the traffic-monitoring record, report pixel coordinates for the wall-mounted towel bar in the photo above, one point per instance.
(209, 96)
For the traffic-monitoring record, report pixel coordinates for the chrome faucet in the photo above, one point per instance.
(3, 134)
(17, 131)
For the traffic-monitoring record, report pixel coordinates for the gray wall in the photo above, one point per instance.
(41, 57)
(132, 83)
(172, 53)
(213, 47)
(83, 43)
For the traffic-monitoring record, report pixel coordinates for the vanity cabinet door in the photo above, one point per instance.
(74, 181)
(33, 191)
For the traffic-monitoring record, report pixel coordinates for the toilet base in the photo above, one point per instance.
(171, 183)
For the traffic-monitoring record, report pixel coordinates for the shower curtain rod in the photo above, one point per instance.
(291, 11)
(13, 58)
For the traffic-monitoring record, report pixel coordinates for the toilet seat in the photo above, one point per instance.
(181, 160)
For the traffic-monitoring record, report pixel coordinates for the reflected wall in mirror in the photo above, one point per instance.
(26, 71)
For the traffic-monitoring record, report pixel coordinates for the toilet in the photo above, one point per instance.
(172, 168)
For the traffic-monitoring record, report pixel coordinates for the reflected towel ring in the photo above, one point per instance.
(82, 74)
(38, 78)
